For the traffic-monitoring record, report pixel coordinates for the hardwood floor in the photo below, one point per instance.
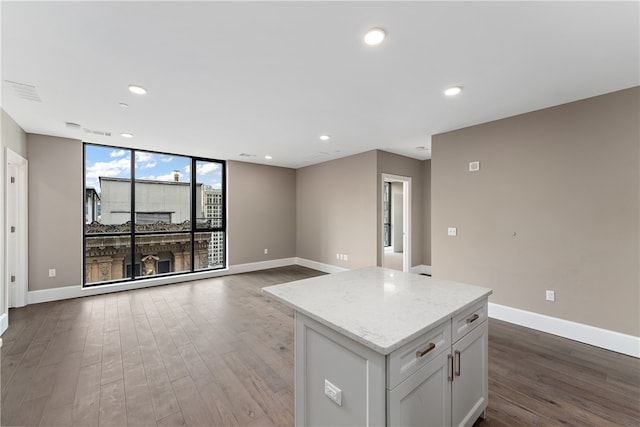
(217, 353)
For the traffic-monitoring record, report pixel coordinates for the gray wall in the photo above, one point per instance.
(404, 166)
(55, 211)
(336, 211)
(13, 136)
(555, 206)
(261, 212)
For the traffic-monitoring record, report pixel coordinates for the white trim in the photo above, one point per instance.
(406, 217)
(260, 265)
(327, 268)
(610, 340)
(4, 323)
(19, 294)
(76, 291)
(421, 269)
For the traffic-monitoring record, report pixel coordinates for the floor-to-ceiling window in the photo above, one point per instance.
(150, 214)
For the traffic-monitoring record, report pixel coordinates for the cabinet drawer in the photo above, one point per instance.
(412, 356)
(469, 319)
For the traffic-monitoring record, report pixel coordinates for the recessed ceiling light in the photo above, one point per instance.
(374, 36)
(138, 90)
(452, 91)
(325, 137)
(123, 105)
(126, 135)
(268, 157)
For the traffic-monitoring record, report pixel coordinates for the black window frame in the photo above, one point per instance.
(194, 228)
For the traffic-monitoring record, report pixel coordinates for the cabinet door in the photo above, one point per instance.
(470, 383)
(423, 399)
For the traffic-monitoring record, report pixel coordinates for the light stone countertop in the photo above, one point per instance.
(380, 308)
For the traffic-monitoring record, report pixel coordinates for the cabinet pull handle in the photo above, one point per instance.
(457, 373)
(473, 318)
(450, 366)
(430, 347)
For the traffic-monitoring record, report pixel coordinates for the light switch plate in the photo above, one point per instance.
(474, 166)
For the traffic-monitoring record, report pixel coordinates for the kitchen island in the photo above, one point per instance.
(380, 347)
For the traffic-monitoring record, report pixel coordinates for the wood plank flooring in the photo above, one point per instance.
(217, 353)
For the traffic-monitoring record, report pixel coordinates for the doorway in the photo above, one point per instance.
(396, 222)
(16, 222)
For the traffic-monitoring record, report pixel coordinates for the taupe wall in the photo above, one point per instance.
(555, 206)
(13, 136)
(404, 166)
(55, 211)
(336, 211)
(426, 212)
(261, 212)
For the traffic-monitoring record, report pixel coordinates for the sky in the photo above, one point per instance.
(116, 163)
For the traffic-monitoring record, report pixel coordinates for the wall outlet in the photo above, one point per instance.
(474, 166)
(452, 231)
(333, 392)
(52, 272)
(551, 295)
(266, 251)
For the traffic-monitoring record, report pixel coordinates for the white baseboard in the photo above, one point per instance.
(77, 291)
(421, 269)
(327, 268)
(610, 340)
(261, 265)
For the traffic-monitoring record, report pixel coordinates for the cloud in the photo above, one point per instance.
(187, 169)
(149, 165)
(118, 153)
(166, 159)
(142, 156)
(205, 168)
(113, 168)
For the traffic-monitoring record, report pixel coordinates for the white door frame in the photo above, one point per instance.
(406, 217)
(19, 204)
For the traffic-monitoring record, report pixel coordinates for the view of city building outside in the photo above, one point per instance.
(163, 236)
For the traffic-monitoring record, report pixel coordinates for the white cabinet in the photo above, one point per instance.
(437, 379)
(452, 388)
(469, 389)
(423, 399)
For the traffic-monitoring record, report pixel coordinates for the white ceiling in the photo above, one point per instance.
(261, 78)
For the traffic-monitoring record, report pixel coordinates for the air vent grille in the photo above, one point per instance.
(24, 91)
(97, 132)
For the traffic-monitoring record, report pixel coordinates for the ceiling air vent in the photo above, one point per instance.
(24, 91)
(97, 132)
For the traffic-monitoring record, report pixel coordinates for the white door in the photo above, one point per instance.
(16, 215)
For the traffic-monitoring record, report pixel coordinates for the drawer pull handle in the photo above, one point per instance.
(450, 366)
(430, 347)
(473, 318)
(457, 356)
